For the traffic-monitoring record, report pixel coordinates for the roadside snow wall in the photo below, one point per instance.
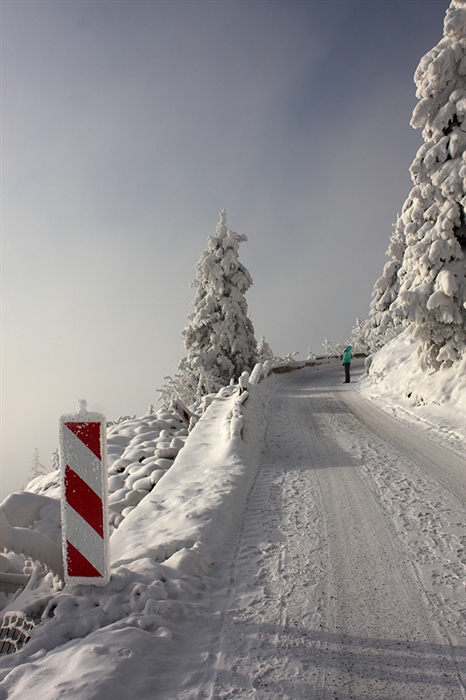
(201, 497)
(436, 398)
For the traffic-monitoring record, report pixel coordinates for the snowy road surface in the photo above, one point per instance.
(347, 579)
(320, 555)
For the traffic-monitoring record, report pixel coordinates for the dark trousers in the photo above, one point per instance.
(347, 366)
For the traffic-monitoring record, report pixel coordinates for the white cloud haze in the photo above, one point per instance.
(127, 126)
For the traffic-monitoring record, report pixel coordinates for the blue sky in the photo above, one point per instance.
(126, 128)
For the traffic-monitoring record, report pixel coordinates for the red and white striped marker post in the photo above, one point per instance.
(83, 461)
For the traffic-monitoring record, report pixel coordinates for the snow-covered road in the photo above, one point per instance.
(347, 579)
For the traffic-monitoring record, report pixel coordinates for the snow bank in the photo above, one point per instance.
(200, 497)
(401, 387)
(91, 640)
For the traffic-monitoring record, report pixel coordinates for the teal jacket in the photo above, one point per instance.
(347, 355)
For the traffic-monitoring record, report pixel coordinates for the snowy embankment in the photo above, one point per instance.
(435, 399)
(197, 504)
(95, 642)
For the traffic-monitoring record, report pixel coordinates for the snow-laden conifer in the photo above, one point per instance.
(384, 323)
(219, 336)
(424, 283)
(359, 338)
(264, 351)
(37, 468)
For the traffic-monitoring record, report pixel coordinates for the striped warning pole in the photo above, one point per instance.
(83, 460)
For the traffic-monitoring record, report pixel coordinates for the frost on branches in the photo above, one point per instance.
(384, 323)
(266, 354)
(424, 284)
(219, 336)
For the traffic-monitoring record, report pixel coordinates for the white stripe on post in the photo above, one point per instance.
(82, 460)
(83, 464)
(86, 540)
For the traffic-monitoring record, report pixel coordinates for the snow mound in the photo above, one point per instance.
(140, 452)
(400, 386)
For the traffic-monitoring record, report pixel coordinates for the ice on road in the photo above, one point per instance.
(347, 579)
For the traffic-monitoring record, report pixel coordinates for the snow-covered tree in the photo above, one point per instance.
(332, 350)
(184, 385)
(384, 323)
(264, 351)
(55, 460)
(424, 284)
(36, 468)
(358, 338)
(219, 336)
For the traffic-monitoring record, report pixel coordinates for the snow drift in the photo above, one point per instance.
(400, 386)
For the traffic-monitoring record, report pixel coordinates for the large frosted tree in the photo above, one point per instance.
(424, 284)
(219, 336)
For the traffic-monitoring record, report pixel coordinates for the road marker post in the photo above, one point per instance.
(84, 501)
(183, 411)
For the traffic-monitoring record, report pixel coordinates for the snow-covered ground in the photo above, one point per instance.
(303, 544)
(434, 401)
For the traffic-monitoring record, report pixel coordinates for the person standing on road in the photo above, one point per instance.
(347, 356)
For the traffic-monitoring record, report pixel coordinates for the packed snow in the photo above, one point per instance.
(163, 537)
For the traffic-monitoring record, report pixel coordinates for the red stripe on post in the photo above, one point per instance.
(78, 565)
(89, 434)
(84, 500)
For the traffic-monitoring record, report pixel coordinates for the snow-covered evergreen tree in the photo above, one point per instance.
(37, 468)
(384, 323)
(184, 385)
(219, 336)
(55, 460)
(264, 351)
(358, 338)
(266, 354)
(328, 347)
(424, 283)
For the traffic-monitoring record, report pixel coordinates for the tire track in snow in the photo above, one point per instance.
(265, 643)
(440, 461)
(324, 600)
(426, 507)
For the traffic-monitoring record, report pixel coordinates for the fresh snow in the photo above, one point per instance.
(436, 400)
(303, 544)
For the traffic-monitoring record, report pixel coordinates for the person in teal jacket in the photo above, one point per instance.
(347, 356)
